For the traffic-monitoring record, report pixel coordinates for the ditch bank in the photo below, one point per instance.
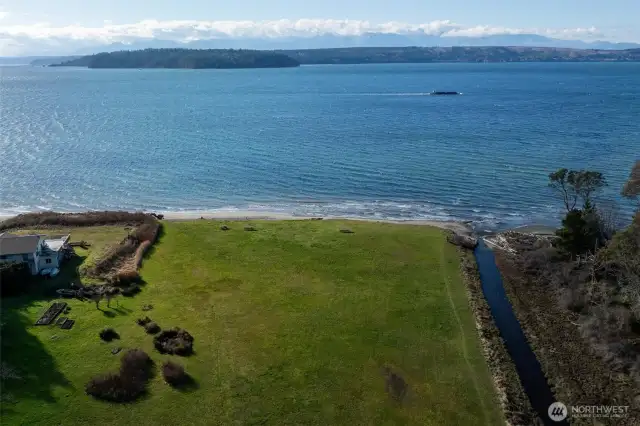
(527, 367)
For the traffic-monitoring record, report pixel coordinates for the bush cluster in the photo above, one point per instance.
(108, 334)
(126, 385)
(34, 220)
(174, 374)
(143, 321)
(174, 341)
(152, 328)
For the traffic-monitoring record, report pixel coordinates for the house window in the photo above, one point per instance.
(48, 261)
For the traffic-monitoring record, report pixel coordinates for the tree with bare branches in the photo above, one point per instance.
(575, 185)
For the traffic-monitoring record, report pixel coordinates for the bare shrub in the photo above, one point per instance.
(147, 232)
(136, 364)
(174, 373)
(140, 252)
(127, 275)
(152, 328)
(126, 385)
(111, 257)
(175, 341)
(135, 245)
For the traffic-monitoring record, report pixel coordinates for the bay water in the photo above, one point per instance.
(365, 141)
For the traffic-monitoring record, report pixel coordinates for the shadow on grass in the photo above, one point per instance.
(24, 352)
(38, 371)
(189, 384)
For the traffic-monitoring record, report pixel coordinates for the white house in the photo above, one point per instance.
(38, 251)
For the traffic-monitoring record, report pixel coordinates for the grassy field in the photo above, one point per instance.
(293, 324)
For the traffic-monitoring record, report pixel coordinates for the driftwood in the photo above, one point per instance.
(462, 241)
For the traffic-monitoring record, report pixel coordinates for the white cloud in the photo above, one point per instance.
(43, 34)
(180, 30)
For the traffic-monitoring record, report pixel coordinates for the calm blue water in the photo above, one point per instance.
(361, 141)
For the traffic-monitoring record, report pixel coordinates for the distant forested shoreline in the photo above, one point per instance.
(239, 58)
(183, 58)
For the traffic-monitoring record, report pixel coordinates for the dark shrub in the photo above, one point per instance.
(152, 328)
(128, 384)
(578, 234)
(135, 365)
(108, 334)
(174, 374)
(131, 290)
(175, 341)
(111, 387)
(146, 232)
(143, 321)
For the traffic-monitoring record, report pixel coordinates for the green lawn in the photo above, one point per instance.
(292, 323)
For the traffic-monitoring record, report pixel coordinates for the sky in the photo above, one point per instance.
(28, 23)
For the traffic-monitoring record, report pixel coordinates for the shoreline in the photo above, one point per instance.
(455, 226)
(461, 227)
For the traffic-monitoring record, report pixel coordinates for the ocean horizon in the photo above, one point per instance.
(356, 141)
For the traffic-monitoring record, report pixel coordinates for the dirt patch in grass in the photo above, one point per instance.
(395, 385)
(513, 399)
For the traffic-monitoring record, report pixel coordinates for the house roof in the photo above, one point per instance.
(18, 244)
(55, 244)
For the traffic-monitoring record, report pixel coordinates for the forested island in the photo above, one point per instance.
(184, 58)
(231, 58)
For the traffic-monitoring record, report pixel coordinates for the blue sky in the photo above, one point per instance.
(518, 13)
(41, 25)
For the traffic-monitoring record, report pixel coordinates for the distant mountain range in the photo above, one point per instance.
(372, 39)
(365, 40)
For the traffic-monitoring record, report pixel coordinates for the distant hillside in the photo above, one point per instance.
(363, 55)
(229, 58)
(184, 58)
(50, 60)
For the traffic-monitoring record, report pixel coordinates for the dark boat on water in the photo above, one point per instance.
(445, 93)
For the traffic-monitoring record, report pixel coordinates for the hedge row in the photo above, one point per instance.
(35, 220)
